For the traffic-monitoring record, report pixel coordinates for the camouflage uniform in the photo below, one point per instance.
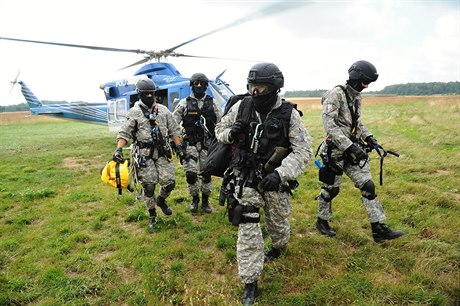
(198, 152)
(157, 169)
(276, 204)
(337, 122)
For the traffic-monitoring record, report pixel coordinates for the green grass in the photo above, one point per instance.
(67, 239)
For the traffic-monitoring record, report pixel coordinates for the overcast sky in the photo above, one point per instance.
(314, 43)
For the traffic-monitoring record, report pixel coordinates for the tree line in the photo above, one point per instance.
(409, 89)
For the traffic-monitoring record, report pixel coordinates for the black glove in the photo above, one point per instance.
(371, 141)
(118, 155)
(237, 127)
(271, 182)
(356, 153)
(181, 152)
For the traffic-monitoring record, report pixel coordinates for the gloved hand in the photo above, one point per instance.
(371, 141)
(271, 182)
(118, 155)
(181, 152)
(356, 153)
(237, 127)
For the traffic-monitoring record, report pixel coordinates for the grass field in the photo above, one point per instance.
(65, 238)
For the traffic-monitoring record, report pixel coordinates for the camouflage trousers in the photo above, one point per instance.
(199, 154)
(250, 243)
(359, 176)
(161, 172)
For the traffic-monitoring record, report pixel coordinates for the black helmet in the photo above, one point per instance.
(266, 73)
(363, 71)
(199, 77)
(145, 85)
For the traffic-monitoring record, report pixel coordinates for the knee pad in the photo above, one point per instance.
(149, 190)
(206, 177)
(170, 187)
(191, 177)
(331, 193)
(368, 190)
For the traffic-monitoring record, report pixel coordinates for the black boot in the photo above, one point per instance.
(324, 229)
(382, 232)
(249, 293)
(205, 203)
(161, 202)
(152, 221)
(194, 204)
(272, 254)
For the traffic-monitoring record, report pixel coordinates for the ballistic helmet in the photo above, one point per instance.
(363, 71)
(266, 73)
(199, 77)
(145, 85)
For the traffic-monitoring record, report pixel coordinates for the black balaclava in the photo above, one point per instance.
(199, 92)
(264, 103)
(356, 84)
(147, 100)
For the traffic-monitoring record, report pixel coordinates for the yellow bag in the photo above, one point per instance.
(116, 174)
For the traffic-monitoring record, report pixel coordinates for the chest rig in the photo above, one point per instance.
(199, 123)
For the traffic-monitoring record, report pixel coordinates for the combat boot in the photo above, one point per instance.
(272, 254)
(382, 232)
(161, 202)
(205, 203)
(194, 204)
(249, 293)
(324, 228)
(152, 221)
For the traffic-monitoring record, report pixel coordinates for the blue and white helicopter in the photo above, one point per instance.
(121, 94)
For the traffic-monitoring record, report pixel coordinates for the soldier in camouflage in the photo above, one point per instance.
(260, 126)
(151, 125)
(343, 151)
(198, 115)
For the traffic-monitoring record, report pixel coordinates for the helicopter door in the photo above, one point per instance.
(116, 113)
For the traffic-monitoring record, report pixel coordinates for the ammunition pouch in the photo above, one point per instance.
(275, 159)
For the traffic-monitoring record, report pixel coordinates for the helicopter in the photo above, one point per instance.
(121, 94)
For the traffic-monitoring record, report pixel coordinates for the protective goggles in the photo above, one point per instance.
(200, 83)
(147, 92)
(258, 89)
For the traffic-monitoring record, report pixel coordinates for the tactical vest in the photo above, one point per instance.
(272, 133)
(192, 120)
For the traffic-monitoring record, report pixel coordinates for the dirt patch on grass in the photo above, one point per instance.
(24, 118)
(82, 164)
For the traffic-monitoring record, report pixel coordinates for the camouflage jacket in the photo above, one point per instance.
(337, 118)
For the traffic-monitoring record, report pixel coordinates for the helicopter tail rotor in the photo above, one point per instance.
(15, 81)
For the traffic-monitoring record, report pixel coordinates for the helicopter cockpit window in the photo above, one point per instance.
(220, 92)
(113, 92)
(161, 96)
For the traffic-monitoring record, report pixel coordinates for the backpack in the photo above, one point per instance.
(116, 174)
(220, 154)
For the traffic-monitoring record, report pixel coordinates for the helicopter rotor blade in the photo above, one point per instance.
(211, 57)
(275, 8)
(144, 60)
(138, 51)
